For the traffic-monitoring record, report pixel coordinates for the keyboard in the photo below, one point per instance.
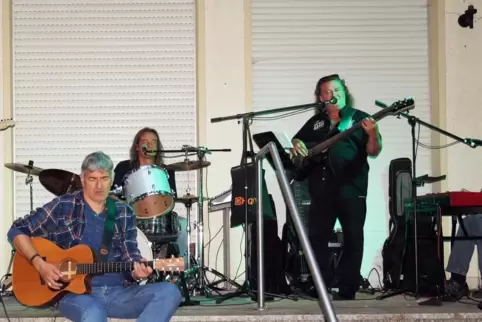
(451, 203)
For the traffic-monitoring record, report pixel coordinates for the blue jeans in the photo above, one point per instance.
(147, 303)
(462, 250)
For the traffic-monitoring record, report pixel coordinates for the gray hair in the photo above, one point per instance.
(97, 161)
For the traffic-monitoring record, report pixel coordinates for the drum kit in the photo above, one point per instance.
(148, 191)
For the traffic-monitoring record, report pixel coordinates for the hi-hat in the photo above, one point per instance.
(60, 182)
(188, 165)
(187, 199)
(24, 168)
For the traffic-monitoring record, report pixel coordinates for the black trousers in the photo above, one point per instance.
(328, 204)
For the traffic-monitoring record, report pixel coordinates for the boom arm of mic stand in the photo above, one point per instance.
(412, 119)
(250, 115)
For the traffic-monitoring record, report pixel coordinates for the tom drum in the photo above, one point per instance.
(148, 191)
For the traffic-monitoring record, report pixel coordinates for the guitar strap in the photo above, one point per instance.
(109, 225)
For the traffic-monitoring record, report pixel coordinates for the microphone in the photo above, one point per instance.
(333, 100)
(145, 150)
(473, 143)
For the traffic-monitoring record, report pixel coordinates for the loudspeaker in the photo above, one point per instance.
(239, 200)
(297, 270)
(273, 256)
(294, 261)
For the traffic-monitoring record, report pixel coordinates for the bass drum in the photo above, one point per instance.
(144, 246)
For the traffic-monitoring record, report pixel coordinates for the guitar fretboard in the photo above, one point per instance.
(107, 267)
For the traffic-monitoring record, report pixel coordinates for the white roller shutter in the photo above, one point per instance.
(88, 74)
(379, 46)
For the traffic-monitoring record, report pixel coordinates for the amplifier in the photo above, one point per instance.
(298, 271)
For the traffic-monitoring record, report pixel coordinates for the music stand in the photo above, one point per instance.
(263, 138)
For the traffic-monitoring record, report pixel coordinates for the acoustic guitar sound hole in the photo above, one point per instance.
(68, 270)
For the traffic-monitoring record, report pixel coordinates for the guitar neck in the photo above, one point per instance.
(328, 143)
(171, 264)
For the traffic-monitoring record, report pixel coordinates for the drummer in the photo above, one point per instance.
(148, 138)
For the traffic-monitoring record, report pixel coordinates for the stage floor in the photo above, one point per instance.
(397, 308)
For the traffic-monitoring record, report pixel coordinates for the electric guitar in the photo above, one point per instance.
(303, 165)
(5, 124)
(76, 266)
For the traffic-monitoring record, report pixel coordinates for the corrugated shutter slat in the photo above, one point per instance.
(89, 74)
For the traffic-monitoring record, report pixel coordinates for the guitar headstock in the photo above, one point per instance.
(6, 123)
(398, 107)
(170, 264)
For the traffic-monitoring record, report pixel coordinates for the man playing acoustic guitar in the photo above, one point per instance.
(338, 182)
(90, 218)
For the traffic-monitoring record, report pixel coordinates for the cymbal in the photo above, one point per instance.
(24, 168)
(60, 182)
(187, 199)
(188, 165)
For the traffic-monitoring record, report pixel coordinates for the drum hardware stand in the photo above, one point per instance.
(187, 296)
(202, 287)
(28, 182)
(188, 206)
(7, 278)
(200, 227)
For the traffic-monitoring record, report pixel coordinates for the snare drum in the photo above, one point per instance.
(161, 229)
(147, 190)
(166, 225)
(144, 246)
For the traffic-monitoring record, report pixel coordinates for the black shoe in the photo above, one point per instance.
(342, 297)
(456, 290)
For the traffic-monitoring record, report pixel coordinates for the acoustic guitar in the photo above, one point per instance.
(76, 265)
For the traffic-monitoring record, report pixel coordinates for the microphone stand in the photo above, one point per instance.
(413, 121)
(246, 120)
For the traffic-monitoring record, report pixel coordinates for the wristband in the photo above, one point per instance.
(33, 257)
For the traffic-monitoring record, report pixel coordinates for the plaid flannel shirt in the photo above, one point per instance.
(62, 221)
